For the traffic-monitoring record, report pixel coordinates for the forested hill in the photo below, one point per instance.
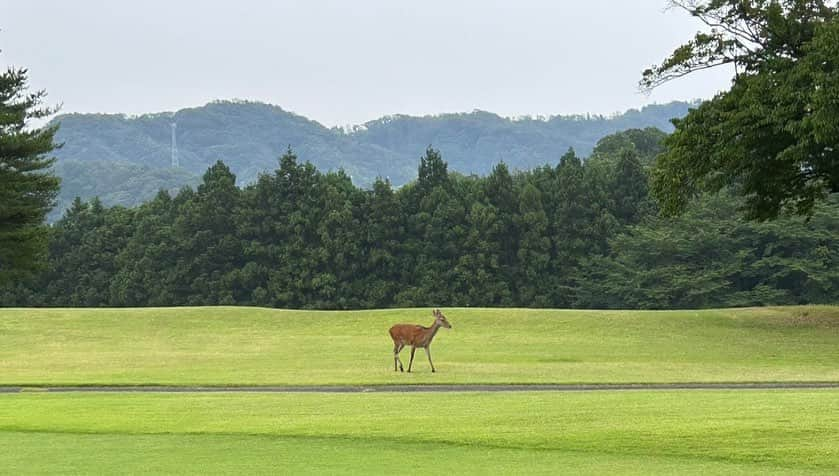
(249, 137)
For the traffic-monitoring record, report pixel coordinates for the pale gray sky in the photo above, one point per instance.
(347, 62)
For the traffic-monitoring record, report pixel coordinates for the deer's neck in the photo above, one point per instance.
(432, 331)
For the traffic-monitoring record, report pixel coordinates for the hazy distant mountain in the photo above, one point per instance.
(100, 150)
(115, 182)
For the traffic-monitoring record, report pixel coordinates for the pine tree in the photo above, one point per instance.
(629, 189)
(27, 186)
(534, 253)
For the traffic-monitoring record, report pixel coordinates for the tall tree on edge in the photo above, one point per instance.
(27, 186)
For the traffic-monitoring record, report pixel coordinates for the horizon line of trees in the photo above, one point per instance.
(578, 234)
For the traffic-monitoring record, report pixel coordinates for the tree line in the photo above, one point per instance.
(577, 233)
(126, 160)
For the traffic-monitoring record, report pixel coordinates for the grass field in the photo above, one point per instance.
(230, 346)
(638, 432)
(604, 432)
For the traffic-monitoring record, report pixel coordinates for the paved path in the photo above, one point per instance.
(423, 388)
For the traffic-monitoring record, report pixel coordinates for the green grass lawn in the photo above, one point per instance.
(636, 432)
(630, 432)
(231, 346)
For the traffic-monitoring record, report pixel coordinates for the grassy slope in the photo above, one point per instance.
(533, 433)
(221, 346)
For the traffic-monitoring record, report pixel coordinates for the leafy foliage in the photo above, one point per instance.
(773, 136)
(709, 258)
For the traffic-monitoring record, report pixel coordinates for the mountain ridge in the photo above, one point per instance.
(250, 136)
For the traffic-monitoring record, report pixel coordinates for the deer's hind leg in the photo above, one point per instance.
(397, 347)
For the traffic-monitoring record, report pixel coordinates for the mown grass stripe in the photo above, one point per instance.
(419, 388)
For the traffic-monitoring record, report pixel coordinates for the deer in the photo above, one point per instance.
(416, 336)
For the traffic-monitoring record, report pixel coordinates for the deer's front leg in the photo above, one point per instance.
(428, 353)
(413, 349)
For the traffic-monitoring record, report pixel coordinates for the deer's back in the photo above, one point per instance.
(406, 333)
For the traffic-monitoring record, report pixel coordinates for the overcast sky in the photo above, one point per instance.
(347, 62)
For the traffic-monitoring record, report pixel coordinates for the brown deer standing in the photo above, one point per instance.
(416, 336)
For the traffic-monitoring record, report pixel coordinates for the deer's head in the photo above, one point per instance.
(441, 319)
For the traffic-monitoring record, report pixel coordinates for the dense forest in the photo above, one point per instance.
(572, 233)
(126, 160)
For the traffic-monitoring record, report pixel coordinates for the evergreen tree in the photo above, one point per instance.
(27, 185)
(535, 286)
(83, 254)
(571, 222)
(385, 262)
(207, 241)
(501, 231)
(147, 264)
(629, 191)
(433, 171)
